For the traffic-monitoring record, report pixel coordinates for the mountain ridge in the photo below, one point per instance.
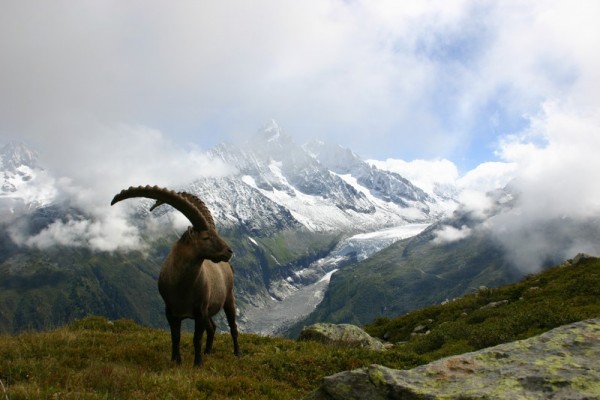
(317, 192)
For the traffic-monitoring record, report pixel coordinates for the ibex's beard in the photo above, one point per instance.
(219, 259)
(224, 255)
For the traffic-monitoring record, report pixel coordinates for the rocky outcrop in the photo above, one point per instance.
(559, 364)
(341, 334)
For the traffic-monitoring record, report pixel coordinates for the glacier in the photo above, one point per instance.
(296, 299)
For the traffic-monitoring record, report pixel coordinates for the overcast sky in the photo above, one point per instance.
(472, 92)
(390, 79)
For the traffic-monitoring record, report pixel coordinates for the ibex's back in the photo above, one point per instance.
(195, 281)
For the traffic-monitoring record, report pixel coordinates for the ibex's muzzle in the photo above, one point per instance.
(228, 254)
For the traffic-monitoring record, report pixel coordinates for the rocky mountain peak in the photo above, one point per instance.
(16, 154)
(272, 131)
(337, 158)
(271, 138)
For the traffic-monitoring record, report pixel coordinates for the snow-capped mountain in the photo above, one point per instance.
(24, 183)
(321, 187)
(279, 185)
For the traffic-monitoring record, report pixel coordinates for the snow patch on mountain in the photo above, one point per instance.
(325, 188)
(24, 184)
(389, 212)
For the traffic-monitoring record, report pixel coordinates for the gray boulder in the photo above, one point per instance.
(341, 334)
(560, 364)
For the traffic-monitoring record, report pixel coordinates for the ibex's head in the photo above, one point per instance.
(202, 235)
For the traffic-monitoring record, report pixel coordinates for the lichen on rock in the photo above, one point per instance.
(559, 364)
(341, 334)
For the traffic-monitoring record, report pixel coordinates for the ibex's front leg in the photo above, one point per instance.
(175, 325)
(210, 336)
(200, 323)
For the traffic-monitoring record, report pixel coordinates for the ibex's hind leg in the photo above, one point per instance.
(175, 325)
(229, 309)
(210, 336)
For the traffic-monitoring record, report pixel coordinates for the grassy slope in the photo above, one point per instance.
(94, 358)
(555, 297)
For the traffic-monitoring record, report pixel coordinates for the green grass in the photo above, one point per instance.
(97, 359)
(555, 297)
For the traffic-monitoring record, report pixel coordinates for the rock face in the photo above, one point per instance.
(559, 364)
(342, 334)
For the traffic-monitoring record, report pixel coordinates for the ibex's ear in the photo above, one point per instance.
(188, 235)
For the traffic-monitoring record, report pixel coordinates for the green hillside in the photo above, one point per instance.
(44, 289)
(97, 359)
(560, 295)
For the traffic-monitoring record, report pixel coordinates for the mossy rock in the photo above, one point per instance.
(341, 334)
(559, 364)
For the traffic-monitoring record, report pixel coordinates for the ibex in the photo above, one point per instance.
(196, 279)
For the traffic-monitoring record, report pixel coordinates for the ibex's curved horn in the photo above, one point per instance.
(175, 200)
(196, 202)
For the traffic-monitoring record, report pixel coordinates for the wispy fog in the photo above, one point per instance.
(552, 208)
(95, 167)
(558, 201)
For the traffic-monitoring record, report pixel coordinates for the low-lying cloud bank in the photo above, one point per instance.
(558, 199)
(449, 234)
(99, 166)
(550, 178)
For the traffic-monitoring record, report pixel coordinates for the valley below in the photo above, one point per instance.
(297, 300)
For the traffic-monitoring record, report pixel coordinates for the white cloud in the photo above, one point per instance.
(488, 176)
(92, 169)
(557, 197)
(104, 235)
(369, 75)
(448, 234)
(420, 79)
(423, 173)
(557, 160)
(479, 204)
